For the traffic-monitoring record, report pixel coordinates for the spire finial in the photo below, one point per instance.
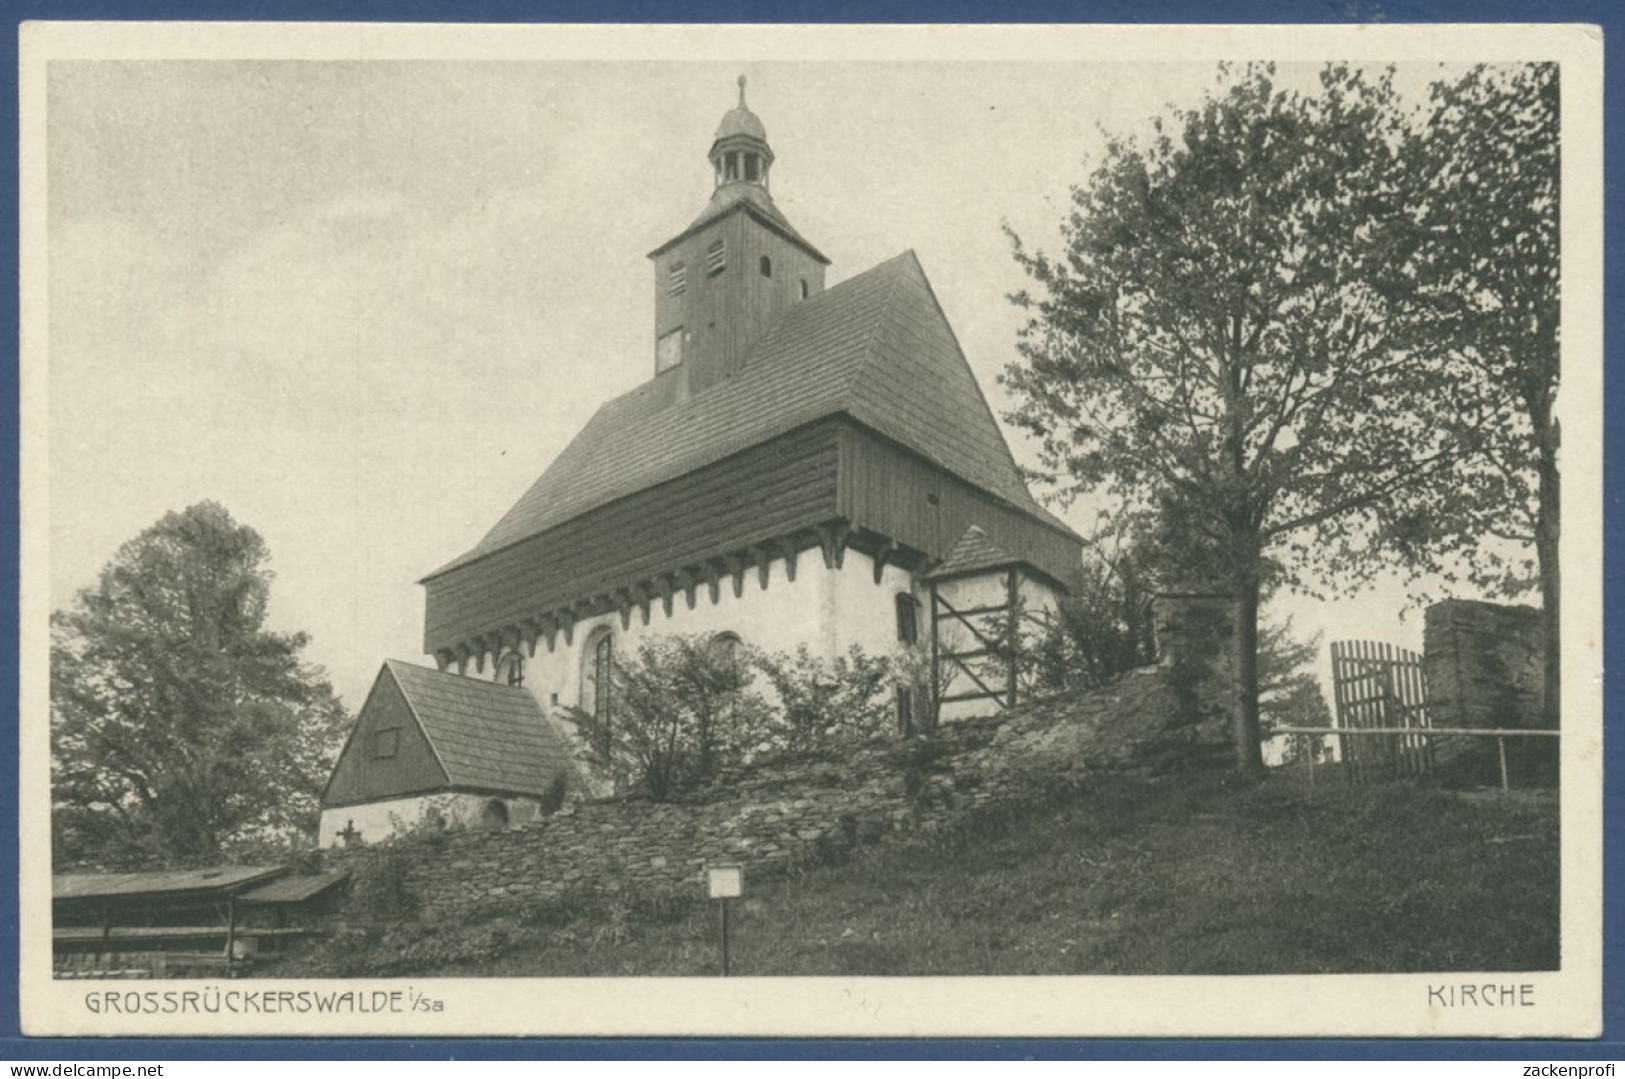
(741, 91)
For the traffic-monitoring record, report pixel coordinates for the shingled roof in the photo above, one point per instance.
(485, 735)
(975, 553)
(876, 347)
(971, 553)
(753, 200)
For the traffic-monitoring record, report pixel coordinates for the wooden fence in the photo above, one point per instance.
(1378, 734)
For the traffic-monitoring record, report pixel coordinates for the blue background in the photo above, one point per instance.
(1610, 16)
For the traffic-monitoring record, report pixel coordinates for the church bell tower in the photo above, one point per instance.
(727, 277)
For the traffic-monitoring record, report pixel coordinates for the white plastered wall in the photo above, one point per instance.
(827, 609)
(378, 821)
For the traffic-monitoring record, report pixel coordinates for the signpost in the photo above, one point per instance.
(725, 882)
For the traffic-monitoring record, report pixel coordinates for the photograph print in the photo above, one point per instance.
(811, 531)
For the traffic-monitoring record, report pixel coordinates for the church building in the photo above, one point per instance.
(805, 465)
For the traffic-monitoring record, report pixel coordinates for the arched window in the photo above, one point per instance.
(731, 169)
(766, 266)
(727, 653)
(598, 680)
(804, 289)
(908, 618)
(512, 670)
(751, 170)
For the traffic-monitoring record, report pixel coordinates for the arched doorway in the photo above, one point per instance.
(493, 816)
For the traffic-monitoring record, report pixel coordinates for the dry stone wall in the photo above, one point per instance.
(1483, 664)
(770, 816)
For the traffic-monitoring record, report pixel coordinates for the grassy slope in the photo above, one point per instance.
(1171, 876)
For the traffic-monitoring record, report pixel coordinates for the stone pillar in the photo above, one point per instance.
(1195, 634)
(1483, 662)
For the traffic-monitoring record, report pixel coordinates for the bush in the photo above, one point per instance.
(684, 710)
(410, 948)
(823, 704)
(557, 791)
(379, 888)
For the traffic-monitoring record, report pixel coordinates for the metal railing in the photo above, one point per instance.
(1500, 734)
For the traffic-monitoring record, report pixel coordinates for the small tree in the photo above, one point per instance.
(1299, 702)
(929, 681)
(1289, 691)
(1104, 626)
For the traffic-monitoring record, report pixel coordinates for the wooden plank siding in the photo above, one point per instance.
(780, 486)
(834, 469)
(360, 777)
(722, 315)
(887, 489)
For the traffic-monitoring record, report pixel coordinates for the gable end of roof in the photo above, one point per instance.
(776, 225)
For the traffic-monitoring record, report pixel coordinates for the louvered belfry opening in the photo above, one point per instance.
(722, 282)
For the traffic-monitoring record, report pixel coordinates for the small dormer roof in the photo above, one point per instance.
(974, 554)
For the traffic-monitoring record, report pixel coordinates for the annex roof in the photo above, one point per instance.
(975, 553)
(971, 553)
(485, 735)
(876, 347)
(158, 883)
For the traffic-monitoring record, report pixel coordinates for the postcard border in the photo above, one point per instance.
(1122, 11)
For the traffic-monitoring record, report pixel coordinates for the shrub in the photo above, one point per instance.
(553, 799)
(684, 710)
(823, 703)
(379, 888)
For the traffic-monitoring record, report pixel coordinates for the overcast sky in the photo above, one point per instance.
(363, 305)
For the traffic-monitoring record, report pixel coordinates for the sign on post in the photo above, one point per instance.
(725, 882)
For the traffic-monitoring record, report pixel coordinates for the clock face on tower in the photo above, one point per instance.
(669, 350)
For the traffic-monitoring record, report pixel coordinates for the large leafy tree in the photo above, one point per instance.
(1211, 342)
(179, 723)
(1479, 271)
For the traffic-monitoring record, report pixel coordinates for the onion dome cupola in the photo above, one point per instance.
(740, 153)
(735, 270)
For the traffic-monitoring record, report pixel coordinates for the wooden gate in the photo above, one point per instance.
(1379, 685)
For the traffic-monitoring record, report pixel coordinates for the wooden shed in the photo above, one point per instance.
(176, 921)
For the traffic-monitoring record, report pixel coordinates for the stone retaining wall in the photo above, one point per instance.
(769, 816)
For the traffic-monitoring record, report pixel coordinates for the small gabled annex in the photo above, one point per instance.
(483, 755)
